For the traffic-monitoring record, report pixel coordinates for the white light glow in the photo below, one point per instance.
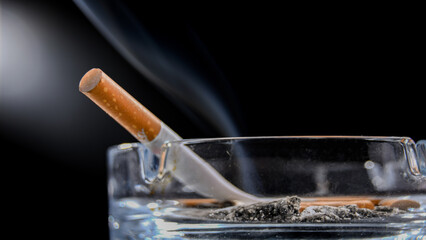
(22, 57)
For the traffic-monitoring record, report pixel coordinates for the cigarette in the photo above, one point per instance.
(359, 203)
(125, 109)
(186, 166)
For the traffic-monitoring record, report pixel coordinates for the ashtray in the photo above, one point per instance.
(156, 196)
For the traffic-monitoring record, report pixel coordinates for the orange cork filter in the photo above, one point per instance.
(120, 105)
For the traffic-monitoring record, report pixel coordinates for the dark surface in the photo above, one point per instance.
(290, 75)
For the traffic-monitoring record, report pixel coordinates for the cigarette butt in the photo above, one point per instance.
(359, 203)
(120, 105)
(206, 202)
(374, 200)
(402, 204)
(192, 202)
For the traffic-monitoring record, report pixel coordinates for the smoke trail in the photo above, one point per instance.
(170, 56)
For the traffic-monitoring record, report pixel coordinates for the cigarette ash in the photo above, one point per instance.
(283, 210)
(318, 214)
(286, 210)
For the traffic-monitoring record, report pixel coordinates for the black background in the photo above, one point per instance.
(292, 73)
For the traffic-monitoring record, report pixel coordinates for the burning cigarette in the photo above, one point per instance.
(188, 168)
(126, 110)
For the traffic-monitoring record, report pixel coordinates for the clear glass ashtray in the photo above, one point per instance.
(167, 197)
